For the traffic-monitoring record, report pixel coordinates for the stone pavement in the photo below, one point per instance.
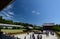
(28, 36)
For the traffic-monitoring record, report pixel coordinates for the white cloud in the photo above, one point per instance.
(35, 12)
(11, 13)
(6, 13)
(9, 7)
(38, 13)
(7, 18)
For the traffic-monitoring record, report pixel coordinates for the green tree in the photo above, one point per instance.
(56, 28)
(0, 19)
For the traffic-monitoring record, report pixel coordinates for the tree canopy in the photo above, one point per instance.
(18, 23)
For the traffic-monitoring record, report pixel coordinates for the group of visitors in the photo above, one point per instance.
(5, 36)
(32, 36)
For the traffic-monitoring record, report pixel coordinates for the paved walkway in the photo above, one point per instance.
(50, 36)
(43, 36)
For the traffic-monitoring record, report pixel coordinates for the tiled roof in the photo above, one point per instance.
(48, 24)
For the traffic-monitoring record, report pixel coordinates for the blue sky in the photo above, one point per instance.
(33, 11)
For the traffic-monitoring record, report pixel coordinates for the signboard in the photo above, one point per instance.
(4, 3)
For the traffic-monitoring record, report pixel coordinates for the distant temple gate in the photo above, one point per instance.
(48, 26)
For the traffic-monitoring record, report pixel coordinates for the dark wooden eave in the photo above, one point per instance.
(4, 3)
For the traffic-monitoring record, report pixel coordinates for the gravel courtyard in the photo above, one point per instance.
(28, 36)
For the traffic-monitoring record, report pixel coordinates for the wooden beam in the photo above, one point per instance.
(4, 3)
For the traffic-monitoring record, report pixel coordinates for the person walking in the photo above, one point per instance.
(25, 37)
(33, 36)
(30, 37)
(38, 36)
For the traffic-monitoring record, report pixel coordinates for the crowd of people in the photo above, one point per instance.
(32, 36)
(28, 35)
(39, 35)
(6, 36)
